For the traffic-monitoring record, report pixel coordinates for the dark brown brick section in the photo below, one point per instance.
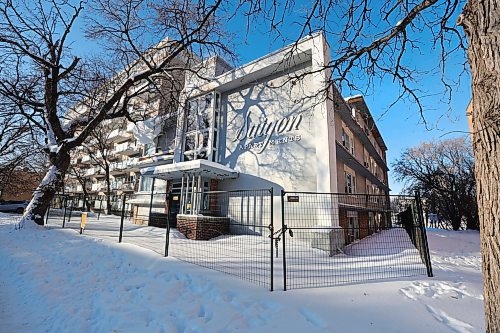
(212, 203)
(199, 227)
(344, 223)
(363, 224)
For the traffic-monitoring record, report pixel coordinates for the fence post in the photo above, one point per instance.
(100, 208)
(167, 231)
(151, 198)
(65, 204)
(71, 209)
(121, 220)
(427, 256)
(283, 233)
(271, 230)
(47, 214)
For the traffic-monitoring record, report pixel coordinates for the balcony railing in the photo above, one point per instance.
(164, 157)
(128, 186)
(76, 188)
(97, 187)
(86, 159)
(127, 148)
(123, 166)
(95, 172)
(121, 134)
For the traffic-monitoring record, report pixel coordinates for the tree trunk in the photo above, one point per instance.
(47, 188)
(108, 189)
(86, 203)
(481, 22)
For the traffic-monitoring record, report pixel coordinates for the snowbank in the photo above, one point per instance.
(58, 281)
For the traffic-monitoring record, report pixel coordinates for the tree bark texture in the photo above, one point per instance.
(108, 188)
(47, 188)
(481, 22)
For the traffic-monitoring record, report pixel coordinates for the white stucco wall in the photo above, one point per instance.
(289, 114)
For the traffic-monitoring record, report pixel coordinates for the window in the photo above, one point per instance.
(198, 126)
(352, 218)
(192, 115)
(146, 184)
(373, 165)
(348, 141)
(354, 114)
(371, 222)
(350, 183)
(149, 149)
(367, 131)
(366, 158)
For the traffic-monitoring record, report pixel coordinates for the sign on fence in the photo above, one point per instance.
(83, 222)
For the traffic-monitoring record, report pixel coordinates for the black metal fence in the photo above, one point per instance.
(331, 239)
(232, 233)
(327, 239)
(122, 218)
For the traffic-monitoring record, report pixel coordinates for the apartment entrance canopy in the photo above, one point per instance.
(201, 168)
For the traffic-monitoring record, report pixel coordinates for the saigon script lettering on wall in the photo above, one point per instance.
(267, 129)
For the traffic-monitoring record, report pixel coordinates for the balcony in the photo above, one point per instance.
(75, 188)
(122, 167)
(86, 159)
(130, 186)
(121, 134)
(128, 148)
(96, 172)
(125, 186)
(98, 187)
(165, 157)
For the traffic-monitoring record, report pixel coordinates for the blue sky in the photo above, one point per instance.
(401, 125)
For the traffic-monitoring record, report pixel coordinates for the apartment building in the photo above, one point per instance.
(274, 122)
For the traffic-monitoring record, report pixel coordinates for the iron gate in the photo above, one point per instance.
(232, 233)
(332, 239)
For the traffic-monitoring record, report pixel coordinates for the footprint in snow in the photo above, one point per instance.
(437, 290)
(453, 323)
(133, 286)
(204, 314)
(313, 318)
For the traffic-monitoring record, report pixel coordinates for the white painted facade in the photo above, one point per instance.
(274, 122)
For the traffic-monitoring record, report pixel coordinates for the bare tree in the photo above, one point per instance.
(372, 39)
(376, 39)
(20, 155)
(79, 173)
(43, 79)
(444, 173)
(99, 148)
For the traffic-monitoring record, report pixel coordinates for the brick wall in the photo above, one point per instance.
(212, 204)
(344, 223)
(363, 225)
(199, 227)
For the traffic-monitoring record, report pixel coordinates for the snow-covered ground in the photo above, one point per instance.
(55, 280)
